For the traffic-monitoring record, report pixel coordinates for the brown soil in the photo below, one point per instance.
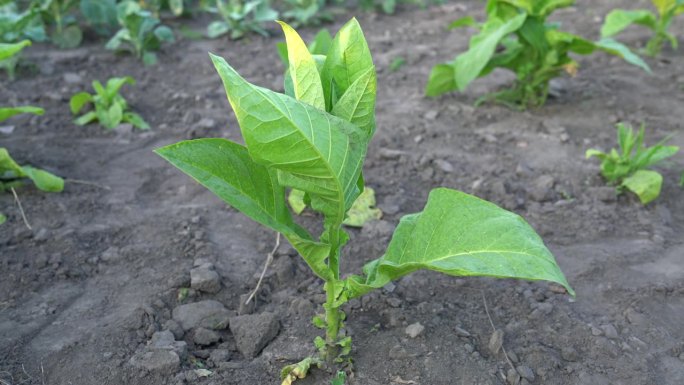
(100, 273)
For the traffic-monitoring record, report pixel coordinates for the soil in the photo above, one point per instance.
(82, 294)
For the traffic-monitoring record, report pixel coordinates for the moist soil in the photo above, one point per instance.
(107, 261)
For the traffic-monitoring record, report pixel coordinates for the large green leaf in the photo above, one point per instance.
(347, 60)
(619, 19)
(8, 112)
(306, 81)
(646, 184)
(314, 151)
(461, 235)
(227, 170)
(357, 105)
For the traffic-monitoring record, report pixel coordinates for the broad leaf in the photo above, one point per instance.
(44, 180)
(8, 112)
(347, 60)
(616, 48)
(619, 19)
(442, 80)
(314, 151)
(357, 105)
(78, 101)
(302, 69)
(469, 65)
(461, 235)
(467, 21)
(646, 184)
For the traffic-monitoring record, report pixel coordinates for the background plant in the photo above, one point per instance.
(110, 108)
(517, 37)
(100, 15)
(18, 25)
(13, 175)
(316, 142)
(9, 56)
(140, 33)
(306, 12)
(619, 19)
(627, 168)
(239, 17)
(58, 13)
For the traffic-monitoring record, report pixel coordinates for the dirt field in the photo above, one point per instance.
(83, 294)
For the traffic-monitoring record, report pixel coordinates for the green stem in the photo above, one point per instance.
(332, 312)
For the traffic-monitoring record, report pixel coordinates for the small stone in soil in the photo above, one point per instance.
(205, 279)
(253, 332)
(158, 361)
(204, 337)
(512, 377)
(209, 314)
(610, 331)
(461, 332)
(569, 354)
(525, 372)
(414, 330)
(219, 355)
(496, 341)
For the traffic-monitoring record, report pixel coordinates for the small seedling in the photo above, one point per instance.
(628, 167)
(306, 12)
(316, 142)
(619, 19)
(239, 17)
(9, 56)
(12, 175)
(140, 32)
(110, 108)
(67, 33)
(396, 64)
(517, 37)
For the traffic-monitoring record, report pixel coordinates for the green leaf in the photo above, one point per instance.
(296, 200)
(164, 33)
(646, 184)
(461, 235)
(321, 43)
(357, 105)
(340, 378)
(314, 151)
(348, 59)
(363, 210)
(85, 119)
(217, 28)
(8, 50)
(79, 100)
(8, 112)
(149, 58)
(70, 37)
(442, 80)
(303, 70)
(3, 218)
(616, 48)
(136, 120)
(467, 21)
(619, 19)
(8, 165)
(227, 170)
(44, 180)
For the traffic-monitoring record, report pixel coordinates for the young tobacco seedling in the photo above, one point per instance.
(240, 17)
(140, 32)
(12, 175)
(619, 19)
(628, 167)
(316, 142)
(306, 12)
(67, 33)
(517, 37)
(110, 108)
(9, 56)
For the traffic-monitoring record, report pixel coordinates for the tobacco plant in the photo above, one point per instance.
(66, 33)
(627, 168)
(9, 56)
(13, 175)
(619, 19)
(316, 142)
(306, 12)
(100, 15)
(140, 32)
(239, 17)
(16, 26)
(516, 36)
(109, 107)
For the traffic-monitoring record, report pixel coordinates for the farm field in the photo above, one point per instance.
(103, 275)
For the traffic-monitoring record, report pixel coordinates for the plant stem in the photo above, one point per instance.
(332, 313)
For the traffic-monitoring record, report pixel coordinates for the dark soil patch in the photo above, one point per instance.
(100, 274)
